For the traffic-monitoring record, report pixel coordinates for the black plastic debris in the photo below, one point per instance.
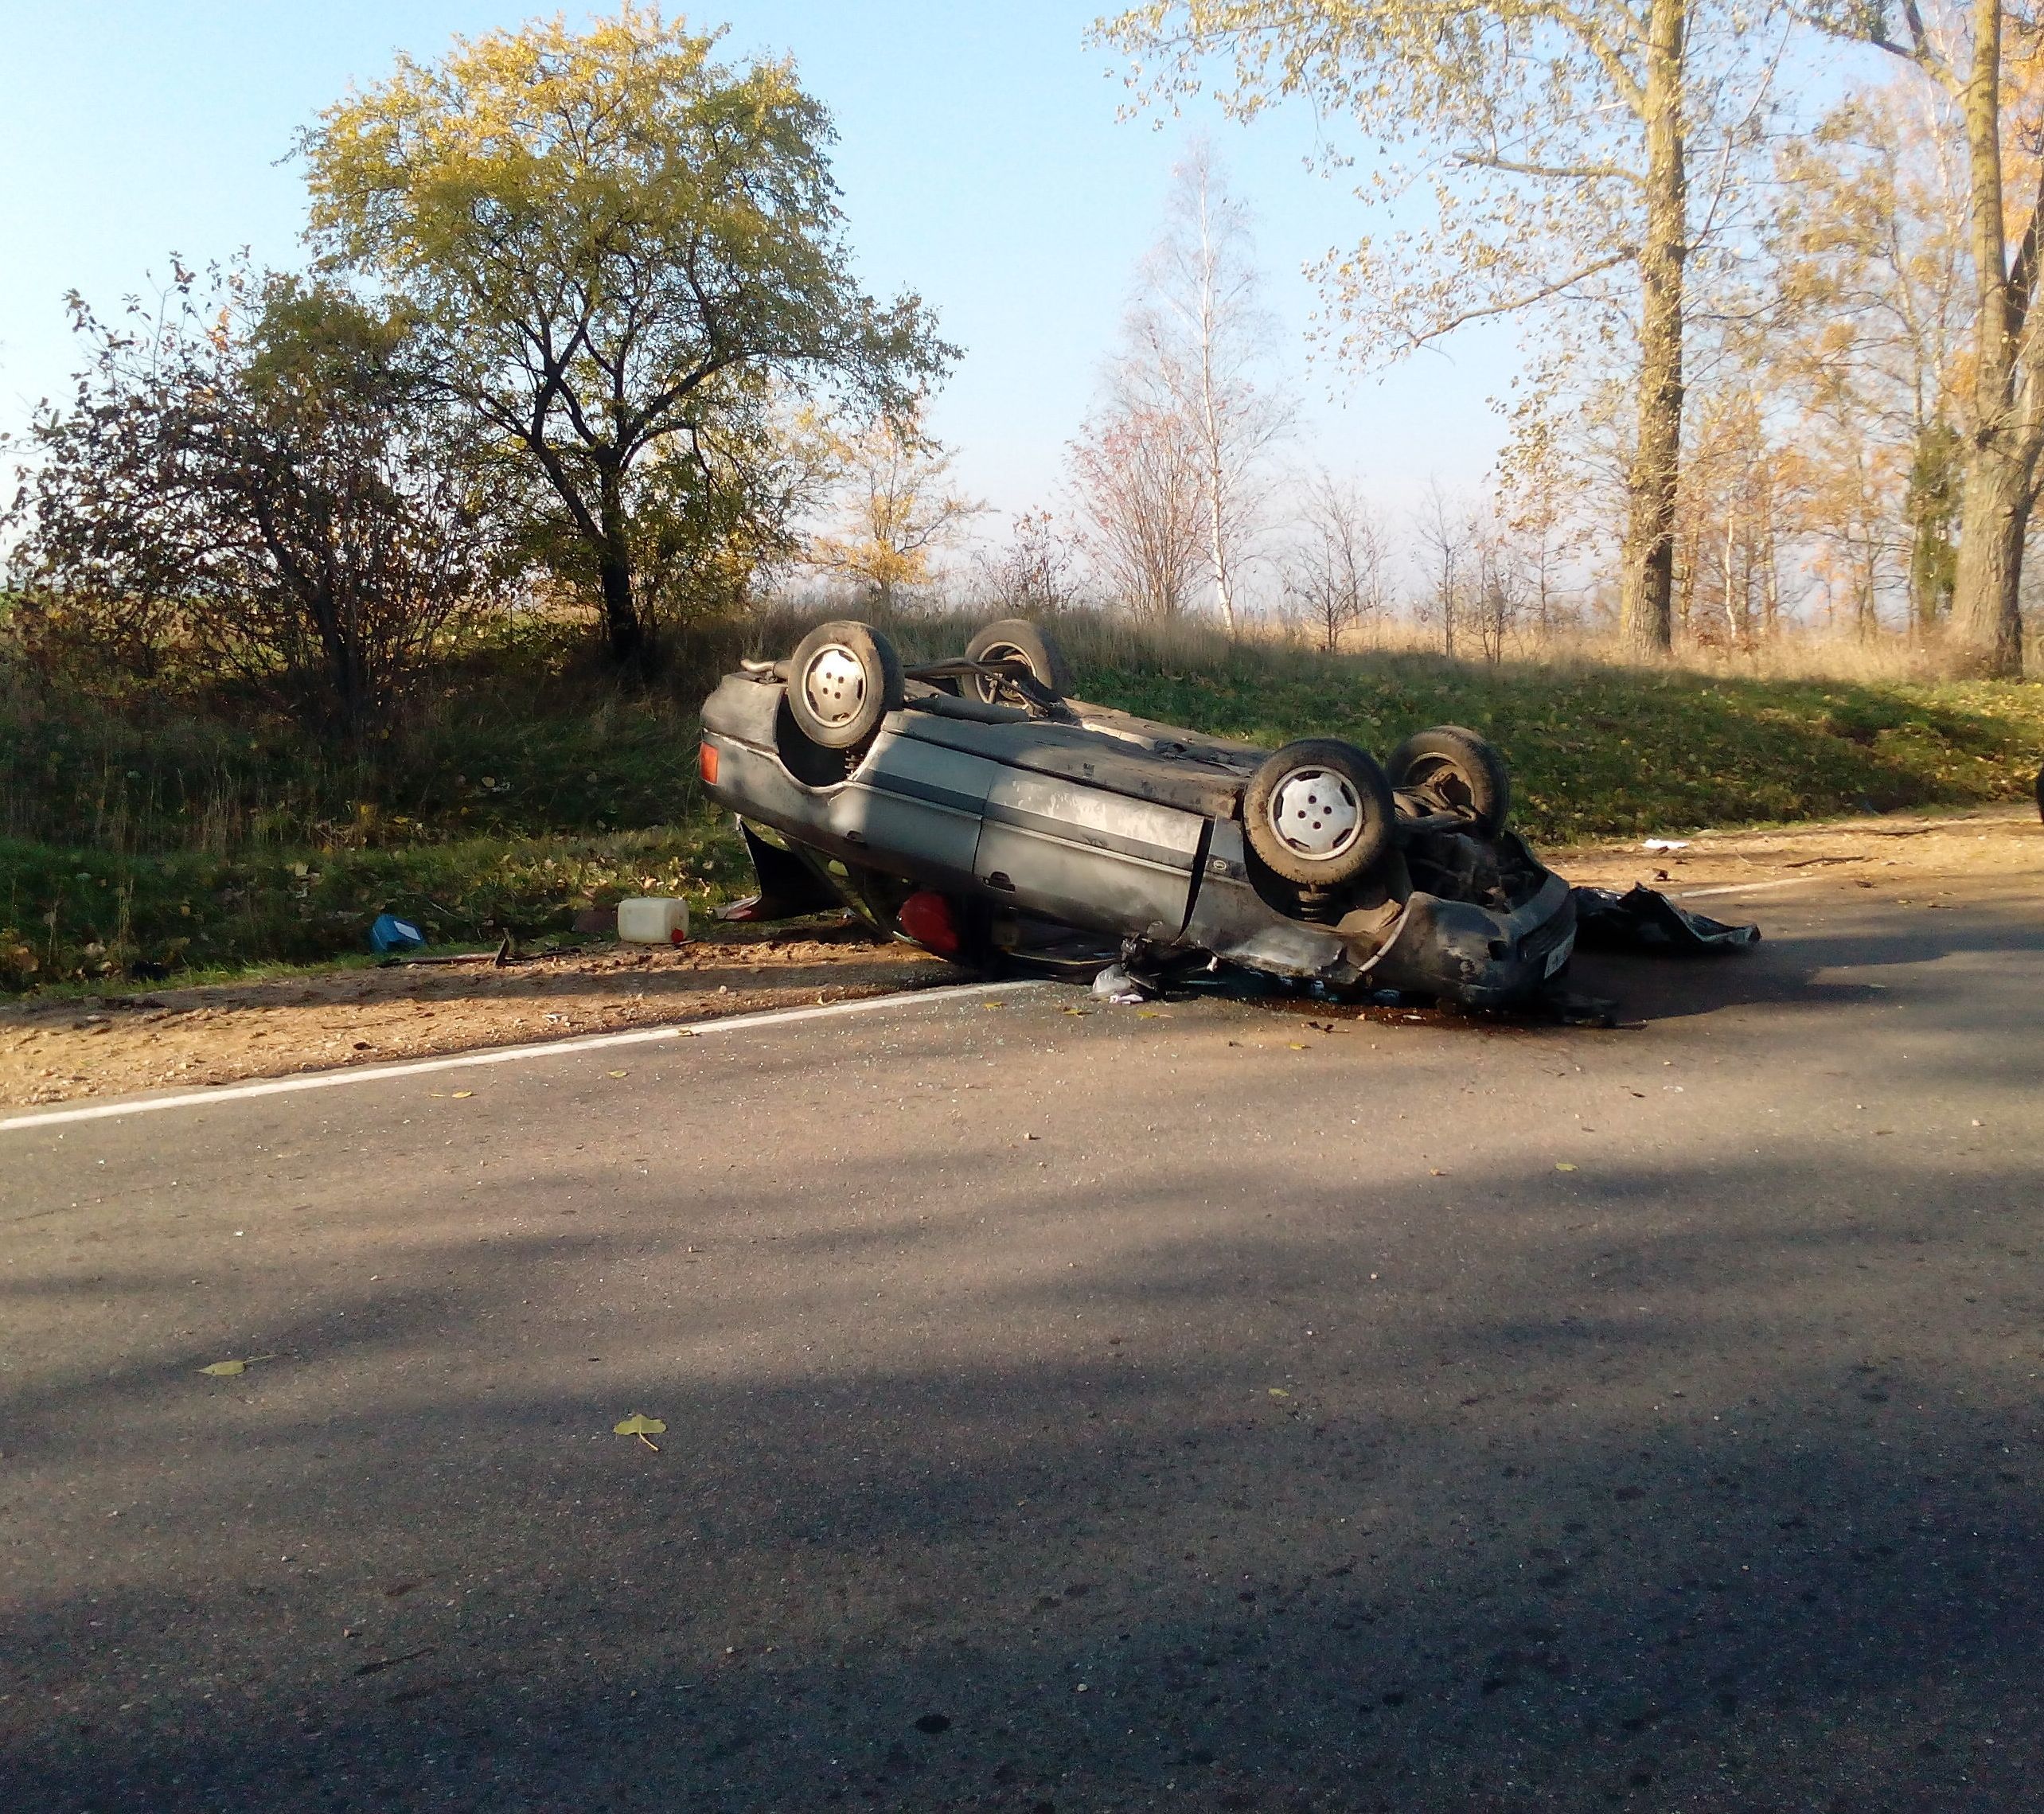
(1645, 919)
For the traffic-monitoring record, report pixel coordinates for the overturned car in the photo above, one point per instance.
(973, 807)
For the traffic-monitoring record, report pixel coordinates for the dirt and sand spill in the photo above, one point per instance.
(58, 1050)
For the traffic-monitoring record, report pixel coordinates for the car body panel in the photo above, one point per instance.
(1088, 857)
(929, 805)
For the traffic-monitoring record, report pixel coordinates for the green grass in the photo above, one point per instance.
(1599, 752)
(72, 916)
(516, 793)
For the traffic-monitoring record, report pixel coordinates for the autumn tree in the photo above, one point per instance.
(1982, 58)
(1542, 489)
(1865, 332)
(1556, 140)
(623, 245)
(897, 509)
(1136, 480)
(256, 483)
(1743, 499)
(1497, 591)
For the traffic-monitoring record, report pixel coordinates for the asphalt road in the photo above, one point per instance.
(1067, 1410)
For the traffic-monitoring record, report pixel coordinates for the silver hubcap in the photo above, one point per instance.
(1316, 813)
(835, 685)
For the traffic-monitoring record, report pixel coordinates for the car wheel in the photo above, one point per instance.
(843, 679)
(1458, 767)
(1319, 813)
(1016, 639)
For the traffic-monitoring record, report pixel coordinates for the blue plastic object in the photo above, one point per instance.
(389, 933)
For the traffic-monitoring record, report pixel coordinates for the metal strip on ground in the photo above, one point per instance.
(508, 1055)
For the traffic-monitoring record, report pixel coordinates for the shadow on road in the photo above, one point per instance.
(1606, 1500)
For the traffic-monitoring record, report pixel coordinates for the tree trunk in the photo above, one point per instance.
(1986, 611)
(1646, 598)
(1987, 615)
(1218, 553)
(623, 630)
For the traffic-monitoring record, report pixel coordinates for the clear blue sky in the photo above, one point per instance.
(981, 156)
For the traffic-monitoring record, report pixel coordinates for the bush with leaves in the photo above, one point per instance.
(255, 483)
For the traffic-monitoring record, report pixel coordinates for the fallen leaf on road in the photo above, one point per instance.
(1296, 1047)
(620, 1074)
(1435, 1171)
(1279, 1392)
(1565, 1166)
(463, 1095)
(643, 1427)
(227, 1369)
(1149, 1014)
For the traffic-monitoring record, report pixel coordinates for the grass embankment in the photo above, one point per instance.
(514, 799)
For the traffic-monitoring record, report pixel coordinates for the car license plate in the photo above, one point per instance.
(1559, 955)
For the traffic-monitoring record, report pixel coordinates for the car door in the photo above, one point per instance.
(916, 807)
(1087, 856)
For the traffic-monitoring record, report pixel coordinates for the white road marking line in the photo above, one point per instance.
(510, 1054)
(1743, 888)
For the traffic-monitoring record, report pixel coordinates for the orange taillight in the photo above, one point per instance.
(708, 755)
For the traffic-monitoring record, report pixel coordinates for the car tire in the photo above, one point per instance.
(1319, 813)
(843, 679)
(1017, 639)
(1462, 767)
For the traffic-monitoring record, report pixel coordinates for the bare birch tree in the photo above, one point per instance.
(1333, 576)
(1200, 347)
(1446, 530)
(1558, 137)
(1037, 574)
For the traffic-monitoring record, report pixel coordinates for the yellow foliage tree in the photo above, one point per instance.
(898, 509)
(623, 246)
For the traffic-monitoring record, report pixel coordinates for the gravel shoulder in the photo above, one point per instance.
(318, 1020)
(222, 1033)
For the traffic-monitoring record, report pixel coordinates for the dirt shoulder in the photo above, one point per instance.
(1894, 853)
(56, 1051)
(53, 1053)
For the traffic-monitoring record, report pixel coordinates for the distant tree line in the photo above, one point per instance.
(578, 330)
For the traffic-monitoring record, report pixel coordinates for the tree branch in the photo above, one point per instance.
(1561, 173)
(1439, 329)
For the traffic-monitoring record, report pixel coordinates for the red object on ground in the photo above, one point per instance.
(706, 753)
(926, 918)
